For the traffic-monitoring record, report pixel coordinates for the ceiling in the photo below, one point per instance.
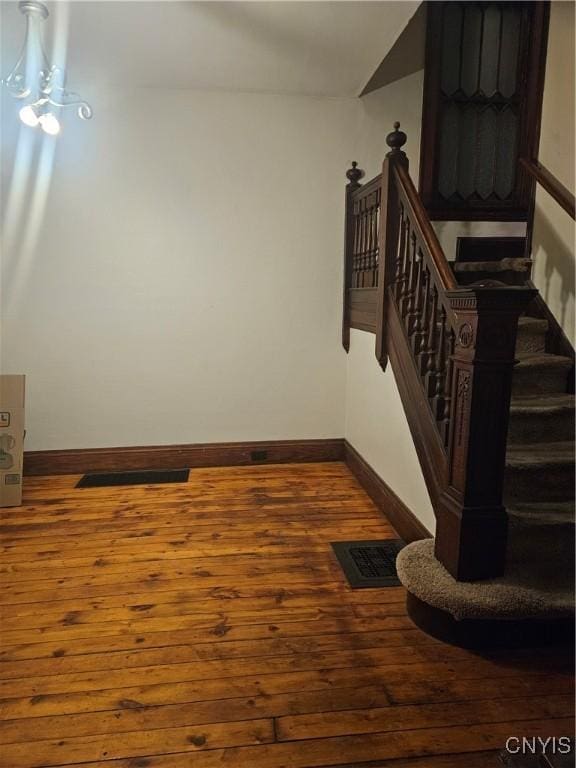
(316, 48)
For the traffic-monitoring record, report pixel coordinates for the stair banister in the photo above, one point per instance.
(452, 353)
(551, 184)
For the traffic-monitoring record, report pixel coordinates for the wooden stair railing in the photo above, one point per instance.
(551, 184)
(452, 354)
(557, 343)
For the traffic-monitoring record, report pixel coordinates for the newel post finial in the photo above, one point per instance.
(354, 175)
(396, 141)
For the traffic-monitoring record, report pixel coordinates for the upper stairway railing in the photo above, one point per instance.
(551, 184)
(452, 352)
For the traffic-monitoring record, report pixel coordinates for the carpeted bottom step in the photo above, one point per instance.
(517, 595)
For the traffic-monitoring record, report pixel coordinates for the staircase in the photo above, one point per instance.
(484, 377)
(535, 596)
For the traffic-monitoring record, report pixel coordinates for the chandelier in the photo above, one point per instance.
(37, 83)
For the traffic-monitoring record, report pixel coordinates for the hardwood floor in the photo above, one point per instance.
(207, 624)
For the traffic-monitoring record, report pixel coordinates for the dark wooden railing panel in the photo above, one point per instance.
(551, 184)
(366, 223)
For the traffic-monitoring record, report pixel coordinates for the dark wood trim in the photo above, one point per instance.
(489, 633)
(399, 515)
(79, 461)
(551, 184)
(362, 303)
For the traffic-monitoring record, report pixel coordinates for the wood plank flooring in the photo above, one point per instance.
(208, 625)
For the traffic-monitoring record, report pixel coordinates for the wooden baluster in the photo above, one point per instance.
(359, 247)
(399, 271)
(440, 367)
(356, 246)
(353, 174)
(445, 426)
(364, 243)
(431, 346)
(374, 245)
(408, 303)
(368, 242)
(376, 250)
(416, 319)
(420, 349)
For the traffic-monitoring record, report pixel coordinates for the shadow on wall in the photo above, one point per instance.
(558, 259)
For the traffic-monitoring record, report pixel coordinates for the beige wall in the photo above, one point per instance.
(185, 284)
(553, 243)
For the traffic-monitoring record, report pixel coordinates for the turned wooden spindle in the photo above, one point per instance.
(399, 270)
(432, 333)
(376, 248)
(416, 319)
(445, 422)
(423, 332)
(408, 308)
(440, 367)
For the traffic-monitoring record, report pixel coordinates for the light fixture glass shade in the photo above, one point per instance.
(28, 116)
(49, 123)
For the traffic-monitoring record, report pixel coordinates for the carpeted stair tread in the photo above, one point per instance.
(503, 265)
(551, 402)
(521, 593)
(543, 418)
(546, 512)
(542, 360)
(531, 336)
(535, 324)
(539, 373)
(540, 455)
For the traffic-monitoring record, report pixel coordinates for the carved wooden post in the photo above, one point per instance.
(353, 175)
(389, 233)
(471, 522)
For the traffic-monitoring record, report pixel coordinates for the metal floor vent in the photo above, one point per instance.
(369, 563)
(152, 477)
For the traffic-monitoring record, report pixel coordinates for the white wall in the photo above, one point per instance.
(376, 426)
(375, 422)
(553, 240)
(185, 285)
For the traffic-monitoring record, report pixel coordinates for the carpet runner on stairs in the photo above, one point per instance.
(539, 494)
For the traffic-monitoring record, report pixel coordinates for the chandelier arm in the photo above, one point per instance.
(14, 80)
(71, 99)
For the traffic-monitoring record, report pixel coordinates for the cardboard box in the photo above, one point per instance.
(11, 439)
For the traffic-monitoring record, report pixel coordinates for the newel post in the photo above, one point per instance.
(388, 234)
(353, 175)
(472, 523)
